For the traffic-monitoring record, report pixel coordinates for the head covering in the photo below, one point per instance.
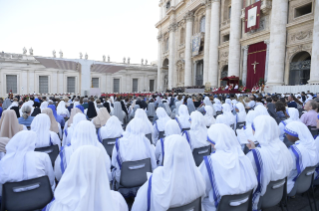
(261, 110)
(76, 120)
(74, 111)
(147, 125)
(168, 109)
(102, 117)
(16, 110)
(228, 101)
(6, 103)
(231, 169)
(293, 114)
(222, 119)
(3, 142)
(118, 112)
(171, 128)
(162, 119)
(41, 125)
(84, 185)
(207, 102)
(190, 105)
(273, 156)
(227, 112)
(241, 115)
(112, 129)
(217, 105)
(44, 105)
(183, 117)
(54, 126)
(19, 162)
(209, 117)
(9, 125)
(168, 181)
(151, 109)
(36, 111)
(62, 110)
(91, 113)
(80, 107)
(198, 132)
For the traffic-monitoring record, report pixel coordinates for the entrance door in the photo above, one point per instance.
(299, 72)
(199, 73)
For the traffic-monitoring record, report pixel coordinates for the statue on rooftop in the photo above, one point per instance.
(54, 53)
(61, 54)
(81, 55)
(86, 56)
(31, 51)
(24, 51)
(104, 58)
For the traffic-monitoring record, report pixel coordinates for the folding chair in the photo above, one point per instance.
(274, 194)
(161, 135)
(193, 206)
(239, 202)
(240, 125)
(108, 144)
(313, 130)
(33, 194)
(52, 151)
(149, 137)
(199, 153)
(185, 129)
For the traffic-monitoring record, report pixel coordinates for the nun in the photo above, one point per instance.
(293, 116)
(217, 106)
(68, 132)
(230, 169)
(159, 124)
(222, 119)
(209, 118)
(91, 111)
(101, 118)
(9, 125)
(119, 113)
(169, 186)
(85, 184)
(41, 126)
(272, 160)
(240, 112)
(303, 151)
(151, 110)
(84, 134)
(228, 113)
(44, 105)
(171, 128)
(62, 110)
(147, 125)
(21, 162)
(57, 117)
(131, 147)
(132, 112)
(3, 143)
(190, 105)
(55, 126)
(197, 135)
(183, 118)
(112, 129)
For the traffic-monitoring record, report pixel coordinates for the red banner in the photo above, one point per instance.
(257, 4)
(256, 63)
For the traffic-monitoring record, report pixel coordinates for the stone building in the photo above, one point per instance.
(202, 41)
(24, 74)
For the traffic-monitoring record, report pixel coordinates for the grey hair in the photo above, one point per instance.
(26, 110)
(313, 104)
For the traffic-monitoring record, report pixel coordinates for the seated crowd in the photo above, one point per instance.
(97, 138)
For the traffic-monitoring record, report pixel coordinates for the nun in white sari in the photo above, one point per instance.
(171, 128)
(131, 147)
(293, 116)
(227, 111)
(177, 183)
(119, 113)
(197, 135)
(85, 184)
(84, 134)
(227, 171)
(222, 119)
(183, 117)
(62, 110)
(209, 116)
(190, 105)
(241, 112)
(303, 152)
(147, 125)
(21, 162)
(272, 160)
(68, 133)
(217, 106)
(112, 129)
(159, 124)
(41, 125)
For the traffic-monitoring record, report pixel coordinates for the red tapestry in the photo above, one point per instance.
(256, 63)
(257, 4)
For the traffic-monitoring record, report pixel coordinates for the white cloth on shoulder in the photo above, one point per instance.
(76, 120)
(141, 114)
(227, 111)
(209, 116)
(217, 105)
(160, 123)
(62, 110)
(183, 117)
(112, 129)
(241, 115)
(293, 116)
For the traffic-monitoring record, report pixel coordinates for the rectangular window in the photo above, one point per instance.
(71, 85)
(95, 82)
(43, 84)
(135, 85)
(226, 38)
(151, 85)
(12, 81)
(303, 10)
(116, 85)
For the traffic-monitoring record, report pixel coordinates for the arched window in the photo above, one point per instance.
(182, 36)
(202, 24)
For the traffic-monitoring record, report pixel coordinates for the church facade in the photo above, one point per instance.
(272, 42)
(24, 74)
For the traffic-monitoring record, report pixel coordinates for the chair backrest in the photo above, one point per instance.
(313, 130)
(218, 113)
(185, 129)
(199, 153)
(151, 118)
(232, 126)
(52, 151)
(149, 137)
(161, 135)
(239, 202)
(30, 194)
(29, 127)
(193, 206)
(240, 125)
(304, 181)
(109, 144)
(274, 193)
(133, 173)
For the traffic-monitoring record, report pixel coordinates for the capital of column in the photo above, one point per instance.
(208, 4)
(189, 16)
(159, 37)
(267, 42)
(245, 48)
(172, 27)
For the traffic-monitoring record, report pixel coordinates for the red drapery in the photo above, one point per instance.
(256, 53)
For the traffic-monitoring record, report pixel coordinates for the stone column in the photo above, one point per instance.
(213, 44)
(31, 82)
(85, 76)
(314, 72)
(61, 82)
(159, 63)
(172, 62)
(188, 49)
(267, 60)
(277, 48)
(24, 82)
(207, 41)
(234, 41)
(244, 78)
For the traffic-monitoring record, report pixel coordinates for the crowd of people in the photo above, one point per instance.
(165, 128)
